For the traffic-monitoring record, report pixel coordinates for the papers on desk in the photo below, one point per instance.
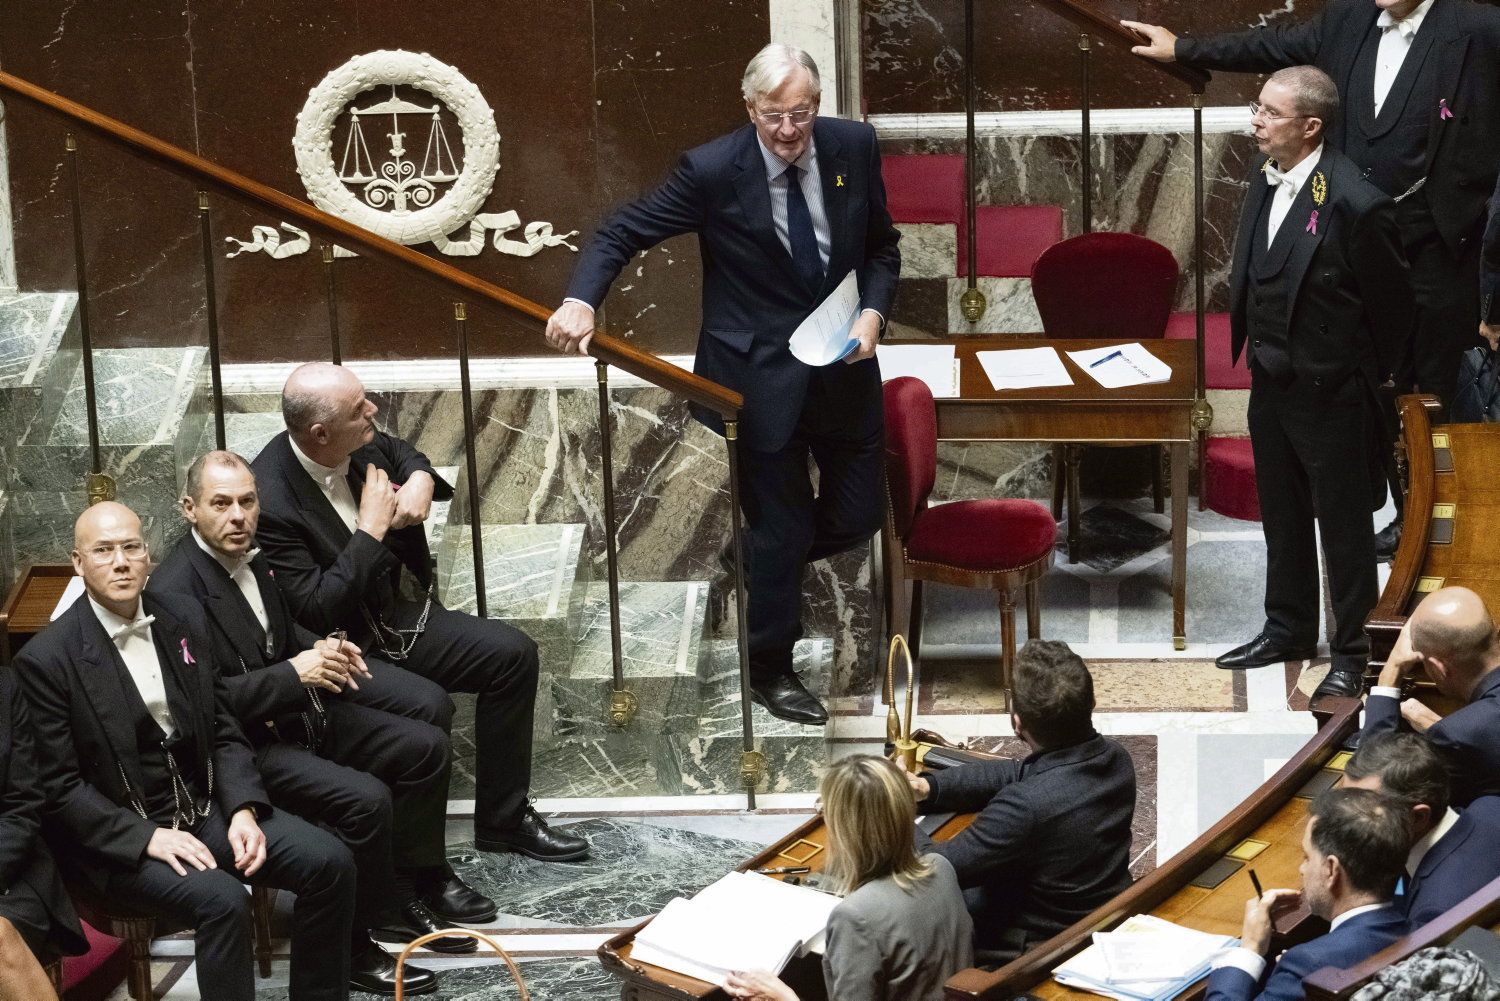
(823, 338)
(745, 921)
(1144, 959)
(1125, 365)
(1024, 368)
(70, 594)
(934, 364)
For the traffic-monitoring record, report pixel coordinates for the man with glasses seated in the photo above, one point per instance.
(153, 799)
(342, 508)
(784, 208)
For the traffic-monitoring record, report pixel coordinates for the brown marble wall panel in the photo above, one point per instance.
(593, 99)
(1028, 55)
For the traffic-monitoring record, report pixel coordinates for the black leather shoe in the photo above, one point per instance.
(455, 902)
(1340, 683)
(784, 697)
(1386, 541)
(534, 839)
(1263, 651)
(373, 970)
(418, 920)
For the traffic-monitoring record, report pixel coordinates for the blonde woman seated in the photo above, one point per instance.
(902, 928)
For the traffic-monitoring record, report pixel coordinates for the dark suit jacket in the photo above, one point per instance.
(262, 687)
(1462, 862)
(1459, 41)
(326, 573)
(1051, 842)
(1468, 739)
(752, 297)
(1347, 282)
(1357, 939)
(24, 858)
(86, 743)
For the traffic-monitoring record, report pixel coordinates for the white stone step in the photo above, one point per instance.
(248, 433)
(39, 355)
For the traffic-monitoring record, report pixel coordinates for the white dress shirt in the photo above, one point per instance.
(1286, 191)
(138, 651)
(778, 180)
(333, 481)
(239, 571)
(1254, 963)
(1421, 848)
(1395, 43)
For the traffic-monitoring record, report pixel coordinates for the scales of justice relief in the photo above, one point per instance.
(437, 201)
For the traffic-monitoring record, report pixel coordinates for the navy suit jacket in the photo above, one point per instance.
(1468, 739)
(752, 297)
(1462, 862)
(1355, 940)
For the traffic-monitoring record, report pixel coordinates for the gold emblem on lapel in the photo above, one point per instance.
(1319, 188)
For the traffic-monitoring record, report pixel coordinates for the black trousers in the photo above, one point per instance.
(497, 662)
(372, 765)
(789, 526)
(299, 857)
(1312, 461)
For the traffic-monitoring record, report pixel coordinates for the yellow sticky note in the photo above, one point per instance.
(1248, 849)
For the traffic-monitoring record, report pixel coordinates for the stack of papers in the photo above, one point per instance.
(934, 364)
(1125, 365)
(824, 337)
(1144, 959)
(1024, 368)
(745, 921)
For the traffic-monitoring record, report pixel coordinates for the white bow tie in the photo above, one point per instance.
(1404, 27)
(138, 626)
(341, 472)
(1275, 177)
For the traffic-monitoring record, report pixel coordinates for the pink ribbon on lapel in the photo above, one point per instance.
(187, 658)
(1444, 112)
(1312, 222)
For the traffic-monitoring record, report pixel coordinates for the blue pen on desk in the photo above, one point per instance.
(1109, 357)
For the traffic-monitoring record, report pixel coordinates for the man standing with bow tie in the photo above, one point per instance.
(1420, 87)
(1322, 302)
(151, 788)
(784, 208)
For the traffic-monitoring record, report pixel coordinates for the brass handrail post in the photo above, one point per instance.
(99, 486)
(335, 354)
(752, 761)
(1203, 412)
(211, 301)
(622, 702)
(971, 303)
(1086, 151)
(461, 326)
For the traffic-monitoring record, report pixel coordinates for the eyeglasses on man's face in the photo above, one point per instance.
(799, 117)
(104, 553)
(1258, 110)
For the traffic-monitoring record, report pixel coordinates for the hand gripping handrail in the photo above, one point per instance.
(1117, 34)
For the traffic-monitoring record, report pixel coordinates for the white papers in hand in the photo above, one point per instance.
(1024, 368)
(934, 364)
(70, 594)
(823, 338)
(1126, 365)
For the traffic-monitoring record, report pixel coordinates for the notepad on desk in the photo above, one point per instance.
(1144, 959)
(744, 921)
(1024, 368)
(1122, 365)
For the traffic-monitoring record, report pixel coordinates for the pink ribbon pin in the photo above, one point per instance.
(187, 658)
(1444, 112)
(1312, 227)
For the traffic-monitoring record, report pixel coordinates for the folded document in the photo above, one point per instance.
(1144, 959)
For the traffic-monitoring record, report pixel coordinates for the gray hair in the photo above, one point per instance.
(1313, 91)
(771, 67)
(219, 457)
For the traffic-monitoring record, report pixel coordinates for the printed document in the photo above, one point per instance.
(934, 364)
(1024, 368)
(1125, 365)
(1144, 959)
(823, 338)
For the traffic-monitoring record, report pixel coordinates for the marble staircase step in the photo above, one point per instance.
(39, 356)
(248, 433)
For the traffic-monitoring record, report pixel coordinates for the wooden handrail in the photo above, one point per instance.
(1117, 34)
(603, 346)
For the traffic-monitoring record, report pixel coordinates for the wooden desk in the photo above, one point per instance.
(28, 607)
(1087, 413)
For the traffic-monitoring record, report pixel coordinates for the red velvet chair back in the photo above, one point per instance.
(1115, 285)
(910, 448)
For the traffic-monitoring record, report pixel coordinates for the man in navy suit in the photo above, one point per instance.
(784, 208)
(1453, 854)
(1452, 638)
(1353, 848)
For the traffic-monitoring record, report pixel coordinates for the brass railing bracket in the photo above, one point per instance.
(623, 705)
(1203, 415)
(99, 487)
(752, 768)
(972, 304)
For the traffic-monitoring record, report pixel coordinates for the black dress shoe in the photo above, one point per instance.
(784, 697)
(373, 970)
(534, 839)
(1386, 541)
(455, 902)
(1261, 652)
(1344, 683)
(417, 920)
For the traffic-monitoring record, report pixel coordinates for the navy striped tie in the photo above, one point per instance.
(799, 231)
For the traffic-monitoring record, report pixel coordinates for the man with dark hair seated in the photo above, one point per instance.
(36, 916)
(1052, 839)
(1353, 848)
(1452, 854)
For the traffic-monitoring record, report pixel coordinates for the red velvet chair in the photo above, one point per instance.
(1106, 285)
(1002, 545)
